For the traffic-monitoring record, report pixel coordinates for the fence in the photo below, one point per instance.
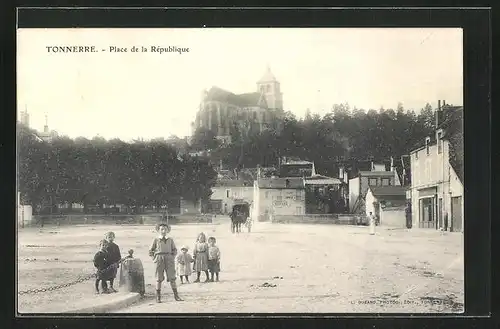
(338, 219)
(147, 219)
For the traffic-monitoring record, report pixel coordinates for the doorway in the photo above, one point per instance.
(456, 214)
(427, 213)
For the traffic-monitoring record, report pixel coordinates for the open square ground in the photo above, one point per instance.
(283, 268)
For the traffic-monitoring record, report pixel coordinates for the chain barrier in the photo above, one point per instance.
(72, 283)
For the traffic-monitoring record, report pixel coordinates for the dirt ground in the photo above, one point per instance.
(277, 268)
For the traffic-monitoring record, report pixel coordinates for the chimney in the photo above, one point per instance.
(437, 115)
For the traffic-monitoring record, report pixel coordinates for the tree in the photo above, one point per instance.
(204, 139)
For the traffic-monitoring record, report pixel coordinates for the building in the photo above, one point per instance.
(358, 186)
(436, 192)
(47, 135)
(226, 193)
(278, 196)
(226, 113)
(296, 168)
(25, 118)
(323, 195)
(388, 204)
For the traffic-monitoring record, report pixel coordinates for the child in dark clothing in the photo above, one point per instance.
(114, 258)
(101, 263)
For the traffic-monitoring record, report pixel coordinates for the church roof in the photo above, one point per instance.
(268, 76)
(241, 100)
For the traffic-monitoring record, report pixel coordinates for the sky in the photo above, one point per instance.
(148, 94)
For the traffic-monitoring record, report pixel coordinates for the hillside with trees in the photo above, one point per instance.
(347, 136)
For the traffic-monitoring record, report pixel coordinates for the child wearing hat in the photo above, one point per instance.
(114, 258)
(183, 262)
(163, 251)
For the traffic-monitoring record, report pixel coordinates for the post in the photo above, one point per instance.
(22, 216)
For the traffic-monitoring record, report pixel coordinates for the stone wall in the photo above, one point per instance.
(337, 219)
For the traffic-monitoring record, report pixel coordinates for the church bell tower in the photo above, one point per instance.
(270, 88)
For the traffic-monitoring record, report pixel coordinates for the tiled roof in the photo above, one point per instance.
(322, 180)
(376, 173)
(280, 183)
(232, 183)
(388, 191)
(242, 100)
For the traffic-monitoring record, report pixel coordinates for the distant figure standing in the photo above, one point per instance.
(372, 223)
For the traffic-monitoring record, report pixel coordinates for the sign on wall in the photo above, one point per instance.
(280, 204)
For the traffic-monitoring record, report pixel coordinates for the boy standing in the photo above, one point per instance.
(101, 263)
(114, 257)
(163, 251)
(213, 259)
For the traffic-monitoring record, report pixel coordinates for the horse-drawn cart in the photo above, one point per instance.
(240, 215)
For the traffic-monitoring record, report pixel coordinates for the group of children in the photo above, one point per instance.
(107, 260)
(168, 263)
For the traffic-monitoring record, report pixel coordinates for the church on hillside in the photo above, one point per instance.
(226, 113)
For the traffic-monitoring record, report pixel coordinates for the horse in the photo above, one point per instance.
(237, 219)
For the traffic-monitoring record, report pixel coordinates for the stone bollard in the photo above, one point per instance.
(132, 274)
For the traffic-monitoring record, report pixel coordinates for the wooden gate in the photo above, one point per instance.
(456, 214)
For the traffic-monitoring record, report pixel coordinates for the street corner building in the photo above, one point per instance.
(278, 196)
(437, 188)
(224, 112)
(388, 204)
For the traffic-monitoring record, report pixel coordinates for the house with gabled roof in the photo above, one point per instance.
(225, 113)
(437, 174)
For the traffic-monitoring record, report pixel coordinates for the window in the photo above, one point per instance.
(279, 198)
(267, 194)
(440, 142)
(416, 155)
(268, 88)
(298, 195)
(228, 193)
(298, 211)
(372, 181)
(427, 146)
(386, 182)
